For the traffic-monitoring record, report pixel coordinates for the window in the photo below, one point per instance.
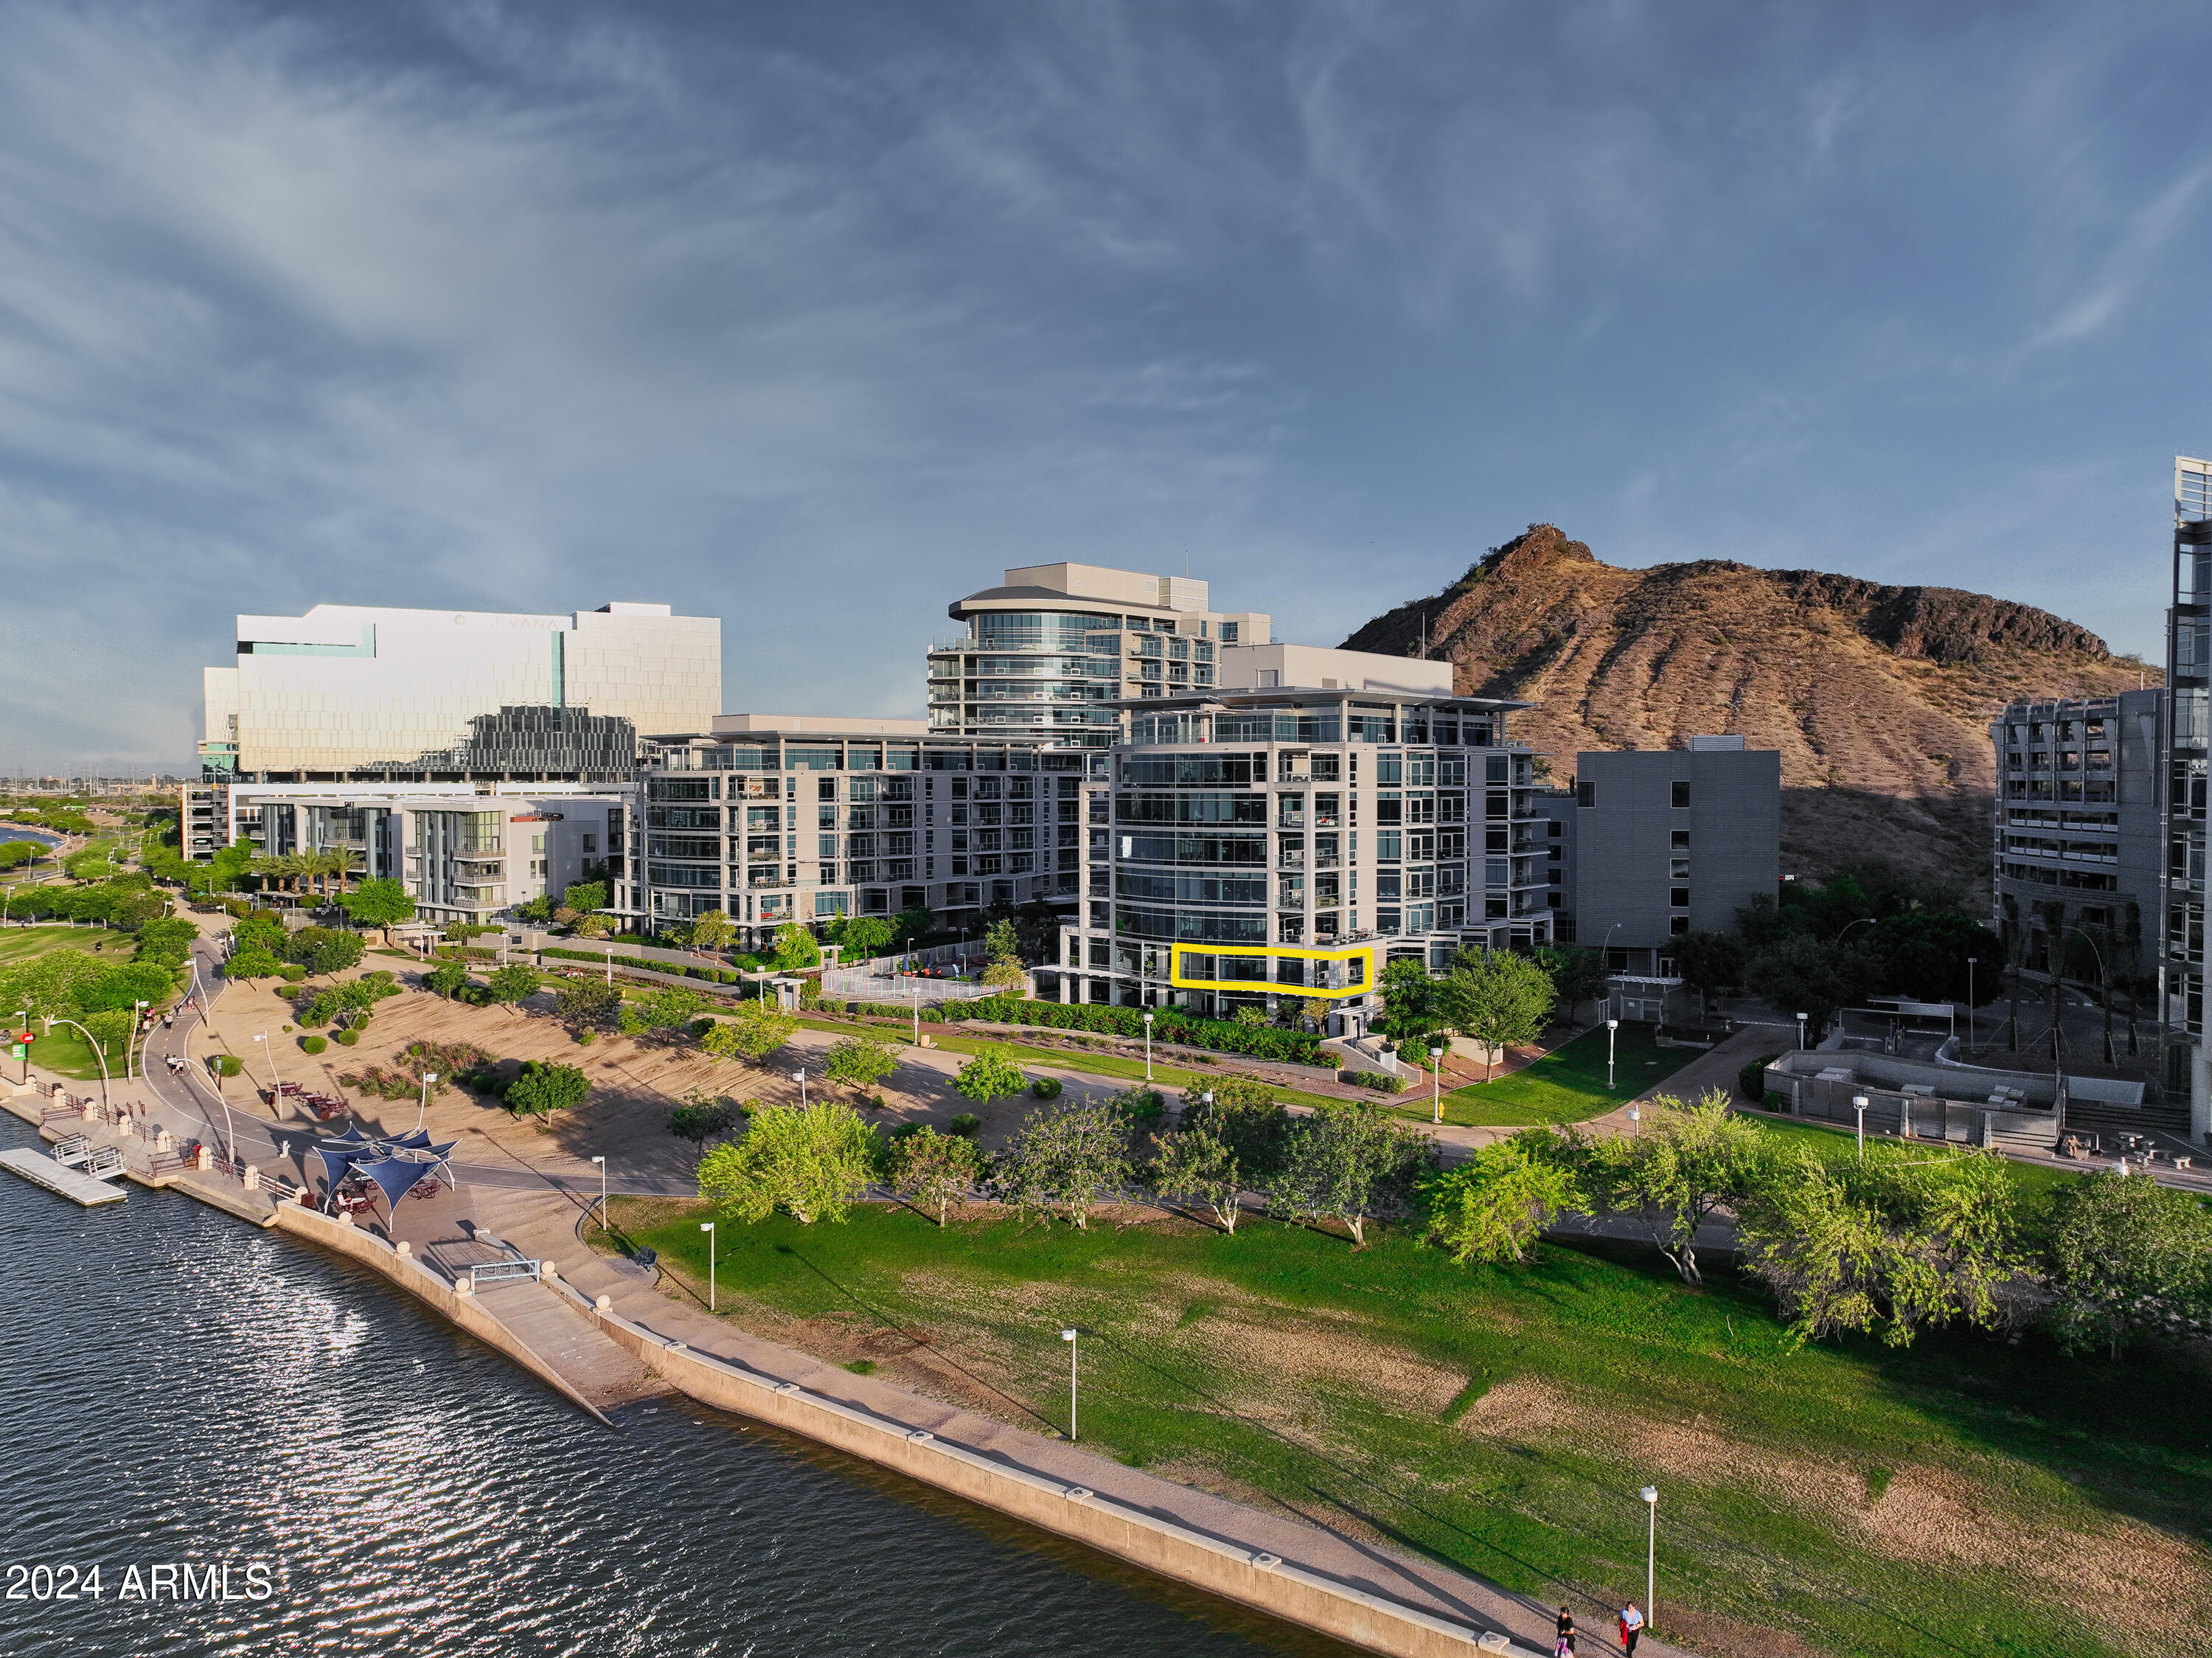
(1585, 794)
(1229, 631)
(1681, 796)
(1678, 898)
(1681, 840)
(1678, 925)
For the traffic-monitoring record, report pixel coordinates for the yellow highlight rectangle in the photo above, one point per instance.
(1362, 953)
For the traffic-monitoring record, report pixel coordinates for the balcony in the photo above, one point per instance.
(754, 883)
(1288, 859)
(1291, 821)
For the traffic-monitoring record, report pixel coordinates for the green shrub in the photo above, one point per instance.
(1751, 1080)
(227, 1064)
(314, 1043)
(966, 1124)
(586, 1038)
(1046, 1088)
(294, 972)
(350, 1035)
(1376, 1080)
(1170, 1024)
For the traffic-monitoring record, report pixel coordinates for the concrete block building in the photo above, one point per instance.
(1671, 841)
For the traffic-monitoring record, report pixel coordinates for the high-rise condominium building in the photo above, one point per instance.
(350, 693)
(1046, 656)
(2078, 860)
(2188, 743)
(773, 818)
(1287, 833)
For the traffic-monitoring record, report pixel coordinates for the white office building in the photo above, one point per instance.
(350, 693)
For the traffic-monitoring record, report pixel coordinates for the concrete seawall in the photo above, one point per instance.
(425, 1284)
(1172, 1549)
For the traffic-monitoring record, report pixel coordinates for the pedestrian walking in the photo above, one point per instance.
(1631, 1626)
(1564, 1645)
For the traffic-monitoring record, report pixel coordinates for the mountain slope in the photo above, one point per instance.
(1878, 697)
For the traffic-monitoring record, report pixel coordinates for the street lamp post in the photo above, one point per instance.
(424, 1109)
(26, 1029)
(276, 1082)
(1068, 1336)
(51, 1021)
(1859, 1105)
(130, 1042)
(917, 1013)
(1148, 1049)
(1436, 1081)
(1612, 1031)
(707, 1227)
(1972, 961)
(1801, 1033)
(602, 1162)
(1635, 1121)
(610, 965)
(799, 1077)
(1651, 1496)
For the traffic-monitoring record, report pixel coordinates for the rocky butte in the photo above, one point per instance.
(1878, 697)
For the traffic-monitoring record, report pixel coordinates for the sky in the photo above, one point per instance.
(817, 316)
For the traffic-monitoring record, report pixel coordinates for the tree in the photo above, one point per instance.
(537, 912)
(1496, 998)
(1195, 1165)
(1682, 1164)
(446, 979)
(325, 951)
(254, 961)
(1923, 953)
(859, 1061)
(1494, 1205)
(586, 895)
(514, 983)
(1037, 926)
(813, 1162)
(2124, 1256)
(913, 924)
(712, 929)
(1708, 961)
(586, 1004)
(662, 1011)
(1410, 1000)
(865, 937)
(796, 950)
(1577, 973)
(1066, 1159)
(1349, 1163)
(1901, 1242)
(700, 1118)
(1003, 947)
(755, 1031)
(1245, 1116)
(595, 926)
(1800, 973)
(991, 1075)
(934, 1171)
(545, 1086)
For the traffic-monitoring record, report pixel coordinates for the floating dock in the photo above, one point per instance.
(56, 1177)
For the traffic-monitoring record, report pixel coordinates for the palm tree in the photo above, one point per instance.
(268, 869)
(344, 863)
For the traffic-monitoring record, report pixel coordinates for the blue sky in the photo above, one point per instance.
(816, 316)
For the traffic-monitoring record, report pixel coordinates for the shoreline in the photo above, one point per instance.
(888, 1428)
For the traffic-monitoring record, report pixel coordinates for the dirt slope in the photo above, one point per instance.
(1878, 697)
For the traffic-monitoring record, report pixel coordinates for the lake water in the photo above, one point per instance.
(179, 1389)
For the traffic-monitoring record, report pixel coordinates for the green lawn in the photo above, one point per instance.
(19, 944)
(1868, 1502)
(1568, 1084)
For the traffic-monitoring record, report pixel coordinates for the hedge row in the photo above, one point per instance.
(1169, 1024)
